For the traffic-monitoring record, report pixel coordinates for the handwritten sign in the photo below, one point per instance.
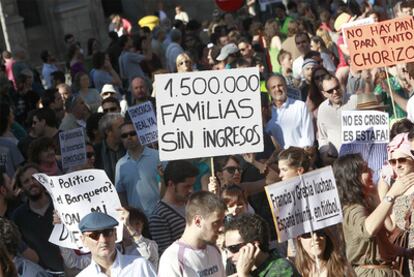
(365, 127)
(74, 196)
(145, 122)
(381, 44)
(359, 22)
(209, 113)
(73, 148)
(303, 205)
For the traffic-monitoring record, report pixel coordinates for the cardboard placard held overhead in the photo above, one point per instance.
(145, 122)
(381, 44)
(74, 196)
(305, 203)
(365, 127)
(73, 147)
(209, 113)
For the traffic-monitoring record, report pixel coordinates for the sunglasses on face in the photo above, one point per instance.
(112, 109)
(235, 248)
(90, 154)
(184, 62)
(232, 169)
(129, 134)
(318, 233)
(95, 235)
(402, 160)
(332, 90)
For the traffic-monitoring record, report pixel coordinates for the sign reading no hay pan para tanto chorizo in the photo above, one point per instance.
(209, 113)
(74, 196)
(301, 206)
(381, 44)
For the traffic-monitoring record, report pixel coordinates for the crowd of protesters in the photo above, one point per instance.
(179, 217)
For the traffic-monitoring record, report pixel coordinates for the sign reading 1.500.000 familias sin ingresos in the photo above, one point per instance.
(209, 113)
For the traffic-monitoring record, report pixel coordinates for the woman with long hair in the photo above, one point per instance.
(322, 245)
(315, 96)
(367, 245)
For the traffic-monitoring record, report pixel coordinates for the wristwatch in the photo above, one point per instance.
(389, 199)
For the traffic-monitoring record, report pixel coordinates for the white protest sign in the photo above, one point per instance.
(359, 22)
(301, 206)
(365, 127)
(74, 196)
(209, 113)
(73, 148)
(145, 122)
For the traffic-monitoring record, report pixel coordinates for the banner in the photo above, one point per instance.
(145, 122)
(209, 113)
(301, 206)
(73, 148)
(381, 44)
(365, 127)
(74, 196)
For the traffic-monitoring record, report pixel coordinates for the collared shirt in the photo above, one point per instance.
(47, 70)
(138, 179)
(329, 121)
(123, 265)
(291, 124)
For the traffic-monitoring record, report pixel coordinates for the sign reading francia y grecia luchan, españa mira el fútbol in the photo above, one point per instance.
(305, 203)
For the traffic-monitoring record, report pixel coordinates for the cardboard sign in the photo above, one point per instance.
(359, 22)
(73, 148)
(74, 196)
(145, 122)
(381, 44)
(365, 127)
(209, 113)
(305, 203)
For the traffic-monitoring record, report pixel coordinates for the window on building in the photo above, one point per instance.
(29, 10)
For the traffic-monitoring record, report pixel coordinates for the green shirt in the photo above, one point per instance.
(276, 266)
(396, 87)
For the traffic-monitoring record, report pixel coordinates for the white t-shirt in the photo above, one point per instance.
(180, 259)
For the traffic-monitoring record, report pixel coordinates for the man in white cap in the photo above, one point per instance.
(109, 90)
(99, 236)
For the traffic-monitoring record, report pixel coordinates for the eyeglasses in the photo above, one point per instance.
(232, 169)
(96, 234)
(130, 134)
(111, 109)
(235, 248)
(401, 160)
(90, 154)
(332, 90)
(318, 233)
(184, 62)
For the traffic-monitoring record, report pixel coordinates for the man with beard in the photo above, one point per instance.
(167, 223)
(99, 236)
(136, 172)
(34, 219)
(195, 253)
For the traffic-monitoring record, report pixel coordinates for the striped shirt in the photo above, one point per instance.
(166, 225)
